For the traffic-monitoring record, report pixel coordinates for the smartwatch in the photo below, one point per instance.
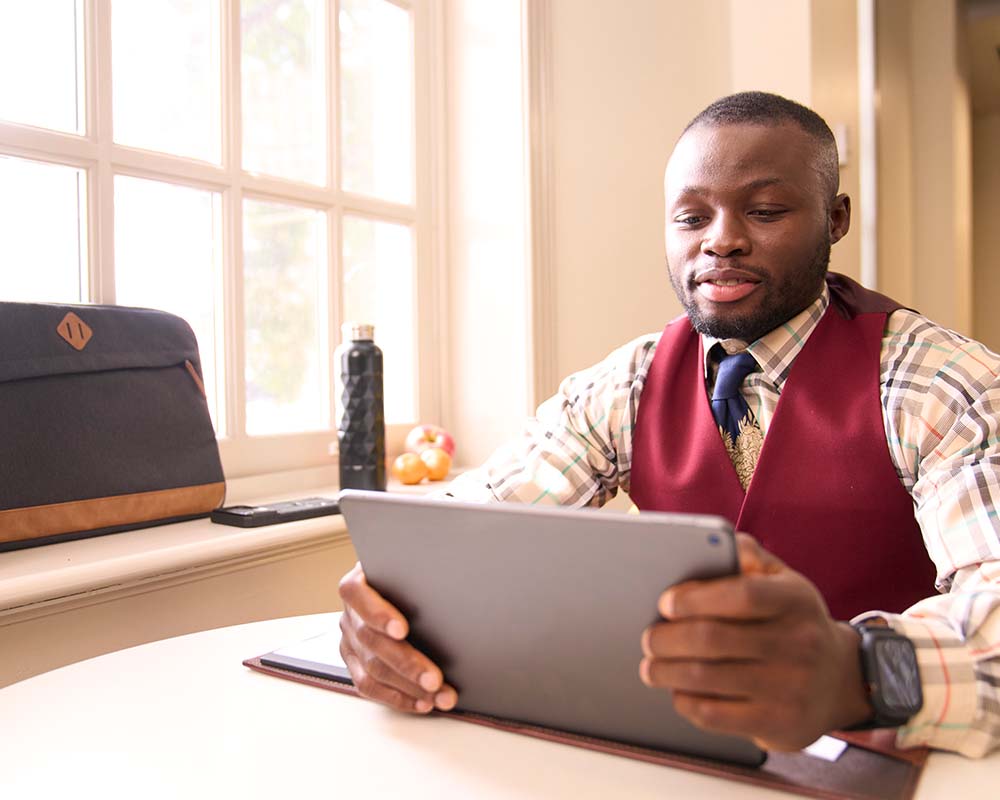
(891, 675)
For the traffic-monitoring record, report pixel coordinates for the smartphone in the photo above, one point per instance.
(275, 513)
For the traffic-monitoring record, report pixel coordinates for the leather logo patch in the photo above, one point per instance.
(74, 330)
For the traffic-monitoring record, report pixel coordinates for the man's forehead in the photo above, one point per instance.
(757, 154)
(707, 187)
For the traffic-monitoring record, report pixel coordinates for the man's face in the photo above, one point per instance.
(749, 224)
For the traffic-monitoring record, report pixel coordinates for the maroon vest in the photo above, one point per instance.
(825, 496)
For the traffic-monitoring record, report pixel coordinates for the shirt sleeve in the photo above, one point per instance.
(577, 449)
(943, 426)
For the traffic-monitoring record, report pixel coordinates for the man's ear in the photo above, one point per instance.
(840, 217)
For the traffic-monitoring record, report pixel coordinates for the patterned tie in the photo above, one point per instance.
(742, 438)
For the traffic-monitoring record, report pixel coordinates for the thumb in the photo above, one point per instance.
(754, 559)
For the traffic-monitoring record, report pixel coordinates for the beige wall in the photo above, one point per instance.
(986, 228)
(925, 167)
(623, 86)
(833, 78)
(758, 62)
(807, 51)
(895, 151)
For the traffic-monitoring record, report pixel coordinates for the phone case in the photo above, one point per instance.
(275, 513)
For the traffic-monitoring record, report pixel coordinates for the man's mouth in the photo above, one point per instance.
(725, 286)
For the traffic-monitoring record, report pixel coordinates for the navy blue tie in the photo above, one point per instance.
(728, 406)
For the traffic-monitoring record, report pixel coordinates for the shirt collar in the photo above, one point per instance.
(775, 351)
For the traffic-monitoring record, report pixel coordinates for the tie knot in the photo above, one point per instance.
(732, 370)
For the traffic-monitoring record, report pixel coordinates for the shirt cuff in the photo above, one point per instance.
(948, 680)
(469, 487)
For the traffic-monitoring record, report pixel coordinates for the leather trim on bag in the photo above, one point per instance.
(107, 512)
(196, 377)
(74, 330)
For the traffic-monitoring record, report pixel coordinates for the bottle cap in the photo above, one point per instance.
(358, 331)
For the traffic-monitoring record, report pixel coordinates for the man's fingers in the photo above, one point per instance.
(770, 730)
(753, 654)
(401, 658)
(374, 609)
(749, 595)
(376, 679)
(371, 687)
(719, 715)
(707, 639)
(383, 665)
(754, 559)
(735, 680)
(384, 684)
(736, 597)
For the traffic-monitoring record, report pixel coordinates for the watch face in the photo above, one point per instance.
(899, 677)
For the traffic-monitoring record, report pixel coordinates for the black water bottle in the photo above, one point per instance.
(361, 433)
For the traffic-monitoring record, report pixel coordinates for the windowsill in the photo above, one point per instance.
(38, 580)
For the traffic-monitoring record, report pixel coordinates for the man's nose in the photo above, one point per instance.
(726, 237)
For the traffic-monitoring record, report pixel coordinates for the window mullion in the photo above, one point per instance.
(45, 145)
(288, 191)
(101, 183)
(108, 164)
(334, 269)
(233, 223)
(333, 96)
(167, 167)
(375, 207)
(430, 225)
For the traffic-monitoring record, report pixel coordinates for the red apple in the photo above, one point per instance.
(425, 436)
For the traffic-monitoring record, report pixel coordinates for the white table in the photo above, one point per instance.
(182, 718)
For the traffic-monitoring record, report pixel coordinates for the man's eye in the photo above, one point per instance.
(689, 219)
(767, 213)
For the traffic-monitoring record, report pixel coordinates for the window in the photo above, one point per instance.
(250, 165)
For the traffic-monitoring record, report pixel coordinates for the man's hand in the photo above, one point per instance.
(756, 655)
(383, 665)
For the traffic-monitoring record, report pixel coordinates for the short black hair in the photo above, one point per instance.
(764, 108)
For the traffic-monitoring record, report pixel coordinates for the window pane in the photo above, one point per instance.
(284, 88)
(285, 314)
(376, 62)
(41, 59)
(43, 224)
(165, 56)
(378, 288)
(168, 256)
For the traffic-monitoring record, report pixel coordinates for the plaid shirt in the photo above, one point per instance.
(941, 407)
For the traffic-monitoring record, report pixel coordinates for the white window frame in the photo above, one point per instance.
(102, 159)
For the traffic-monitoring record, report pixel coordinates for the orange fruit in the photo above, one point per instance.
(438, 462)
(409, 469)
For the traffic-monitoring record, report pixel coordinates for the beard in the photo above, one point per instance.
(782, 299)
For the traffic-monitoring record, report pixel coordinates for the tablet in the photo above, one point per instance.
(535, 614)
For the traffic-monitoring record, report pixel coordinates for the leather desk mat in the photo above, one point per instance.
(869, 769)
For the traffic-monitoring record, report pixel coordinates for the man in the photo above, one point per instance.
(875, 477)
